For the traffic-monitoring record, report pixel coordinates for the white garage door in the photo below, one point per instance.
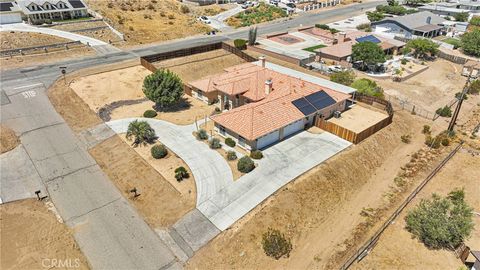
(10, 18)
(268, 139)
(293, 127)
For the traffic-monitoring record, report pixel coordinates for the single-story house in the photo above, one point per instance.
(471, 68)
(39, 11)
(443, 10)
(343, 50)
(263, 106)
(424, 23)
(10, 12)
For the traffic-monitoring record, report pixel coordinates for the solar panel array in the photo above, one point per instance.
(76, 3)
(6, 6)
(313, 102)
(370, 38)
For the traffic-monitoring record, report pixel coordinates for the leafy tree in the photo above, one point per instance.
(392, 3)
(141, 132)
(441, 222)
(368, 87)
(252, 36)
(163, 87)
(275, 244)
(475, 21)
(345, 77)
(421, 48)
(444, 111)
(474, 87)
(416, 2)
(392, 9)
(461, 17)
(368, 53)
(471, 42)
(375, 16)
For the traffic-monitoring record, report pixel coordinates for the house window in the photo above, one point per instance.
(222, 130)
(199, 93)
(241, 141)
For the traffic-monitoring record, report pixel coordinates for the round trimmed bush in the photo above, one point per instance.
(230, 142)
(245, 164)
(231, 155)
(256, 154)
(149, 114)
(202, 134)
(181, 173)
(158, 151)
(214, 143)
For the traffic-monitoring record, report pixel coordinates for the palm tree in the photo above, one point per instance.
(142, 132)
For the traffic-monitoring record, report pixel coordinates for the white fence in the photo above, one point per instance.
(321, 5)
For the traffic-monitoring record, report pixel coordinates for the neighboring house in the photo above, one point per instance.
(9, 12)
(476, 264)
(424, 24)
(40, 11)
(471, 68)
(443, 10)
(471, 5)
(262, 105)
(342, 51)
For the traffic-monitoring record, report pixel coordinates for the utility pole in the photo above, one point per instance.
(459, 104)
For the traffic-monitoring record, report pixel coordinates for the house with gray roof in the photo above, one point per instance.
(424, 24)
(9, 12)
(40, 11)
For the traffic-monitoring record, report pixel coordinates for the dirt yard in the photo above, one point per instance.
(149, 21)
(358, 118)
(197, 66)
(397, 249)
(320, 209)
(8, 139)
(32, 236)
(125, 85)
(166, 167)
(160, 203)
(17, 40)
(431, 89)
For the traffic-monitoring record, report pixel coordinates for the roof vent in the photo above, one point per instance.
(262, 60)
(429, 20)
(268, 86)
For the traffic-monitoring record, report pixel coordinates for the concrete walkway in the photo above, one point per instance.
(100, 46)
(210, 169)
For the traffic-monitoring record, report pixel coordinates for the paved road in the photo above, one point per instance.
(110, 233)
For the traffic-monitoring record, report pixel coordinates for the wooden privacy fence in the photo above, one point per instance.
(147, 61)
(352, 136)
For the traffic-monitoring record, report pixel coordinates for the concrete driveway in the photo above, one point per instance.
(218, 21)
(281, 164)
(210, 169)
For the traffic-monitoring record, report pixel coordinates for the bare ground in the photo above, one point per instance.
(160, 203)
(17, 40)
(320, 209)
(31, 234)
(8, 139)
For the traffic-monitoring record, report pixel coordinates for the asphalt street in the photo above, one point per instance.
(108, 230)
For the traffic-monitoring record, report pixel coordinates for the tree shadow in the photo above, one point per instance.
(182, 105)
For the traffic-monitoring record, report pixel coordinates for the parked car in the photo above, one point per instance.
(336, 68)
(291, 5)
(274, 2)
(204, 19)
(248, 4)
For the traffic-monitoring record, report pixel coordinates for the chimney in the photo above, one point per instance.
(262, 60)
(268, 86)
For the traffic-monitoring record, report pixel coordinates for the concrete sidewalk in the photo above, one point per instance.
(218, 21)
(210, 169)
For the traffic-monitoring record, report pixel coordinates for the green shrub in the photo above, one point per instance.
(181, 173)
(322, 26)
(240, 43)
(256, 154)
(432, 142)
(474, 87)
(230, 142)
(184, 9)
(149, 114)
(404, 61)
(441, 222)
(202, 134)
(214, 143)
(444, 112)
(245, 164)
(275, 244)
(406, 138)
(141, 132)
(158, 151)
(231, 155)
(426, 129)
(364, 27)
(445, 142)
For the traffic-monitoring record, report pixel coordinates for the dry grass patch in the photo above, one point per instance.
(166, 167)
(8, 139)
(159, 203)
(31, 233)
(148, 21)
(18, 40)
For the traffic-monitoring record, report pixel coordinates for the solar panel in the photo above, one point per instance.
(316, 96)
(76, 3)
(320, 100)
(370, 38)
(5, 6)
(303, 106)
